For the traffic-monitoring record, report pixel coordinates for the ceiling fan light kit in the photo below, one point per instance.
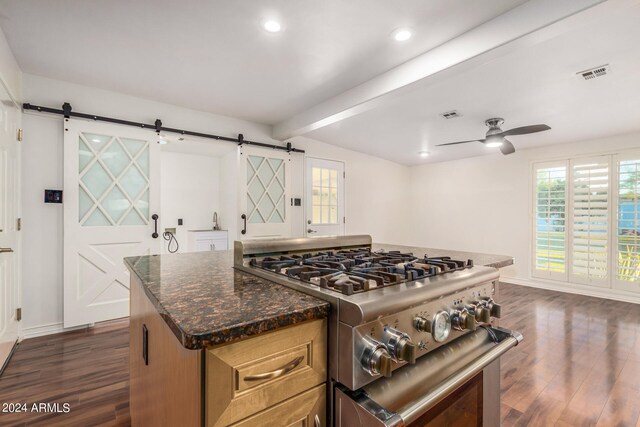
(495, 137)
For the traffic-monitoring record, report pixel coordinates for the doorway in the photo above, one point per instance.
(9, 228)
(325, 213)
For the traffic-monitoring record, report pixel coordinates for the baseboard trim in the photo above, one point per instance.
(572, 288)
(49, 329)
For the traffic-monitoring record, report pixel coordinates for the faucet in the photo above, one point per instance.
(215, 221)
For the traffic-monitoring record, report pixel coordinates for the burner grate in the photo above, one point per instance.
(358, 270)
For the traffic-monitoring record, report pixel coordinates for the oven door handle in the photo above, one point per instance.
(415, 409)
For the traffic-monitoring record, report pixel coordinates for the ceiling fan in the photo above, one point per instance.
(495, 136)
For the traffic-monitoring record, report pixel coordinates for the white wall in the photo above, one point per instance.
(377, 192)
(376, 200)
(483, 204)
(190, 189)
(10, 73)
(42, 158)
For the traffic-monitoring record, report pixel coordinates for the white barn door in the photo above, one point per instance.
(9, 233)
(265, 191)
(111, 191)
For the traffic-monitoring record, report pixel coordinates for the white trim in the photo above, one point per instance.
(574, 288)
(48, 329)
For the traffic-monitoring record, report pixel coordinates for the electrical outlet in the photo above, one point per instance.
(179, 221)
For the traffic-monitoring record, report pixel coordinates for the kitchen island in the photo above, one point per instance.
(215, 346)
(204, 339)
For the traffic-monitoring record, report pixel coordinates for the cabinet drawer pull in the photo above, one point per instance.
(278, 372)
(316, 421)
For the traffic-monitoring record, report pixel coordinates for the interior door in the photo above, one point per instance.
(325, 197)
(9, 236)
(266, 177)
(112, 189)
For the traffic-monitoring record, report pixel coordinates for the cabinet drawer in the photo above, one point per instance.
(249, 376)
(305, 410)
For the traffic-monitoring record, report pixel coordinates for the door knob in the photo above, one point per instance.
(311, 231)
(5, 250)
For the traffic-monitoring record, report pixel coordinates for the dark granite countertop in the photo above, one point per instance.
(206, 302)
(496, 261)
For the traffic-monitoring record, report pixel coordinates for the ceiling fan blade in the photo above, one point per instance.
(507, 147)
(460, 142)
(525, 130)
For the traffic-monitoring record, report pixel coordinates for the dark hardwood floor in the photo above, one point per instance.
(579, 365)
(88, 369)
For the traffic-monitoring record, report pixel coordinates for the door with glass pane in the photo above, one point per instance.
(111, 189)
(264, 196)
(325, 197)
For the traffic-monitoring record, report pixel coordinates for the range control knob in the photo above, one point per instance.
(422, 324)
(480, 311)
(439, 326)
(399, 345)
(462, 320)
(375, 358)
(494, 308)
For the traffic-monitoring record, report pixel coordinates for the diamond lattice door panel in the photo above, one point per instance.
(264, 196)
(265, 190)
(110, 194)
(113, 180)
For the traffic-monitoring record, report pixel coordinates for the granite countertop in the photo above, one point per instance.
(496, 261)
(206, 302)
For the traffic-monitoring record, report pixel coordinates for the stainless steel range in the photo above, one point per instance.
(407, 332)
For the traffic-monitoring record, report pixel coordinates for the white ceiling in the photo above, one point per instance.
(214, 55)
(533, 84)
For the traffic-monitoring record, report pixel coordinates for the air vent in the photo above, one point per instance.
(600, 71)
(451, 114)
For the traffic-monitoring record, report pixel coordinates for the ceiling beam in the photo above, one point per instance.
(497, 33)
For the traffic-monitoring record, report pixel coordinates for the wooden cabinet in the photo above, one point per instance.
(207, 240)
(304, 410)
(276, 378)
(165, 378)
(264, 372)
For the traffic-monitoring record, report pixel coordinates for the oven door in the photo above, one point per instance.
(457, 384)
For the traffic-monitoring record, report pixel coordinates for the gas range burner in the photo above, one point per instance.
(358, 270)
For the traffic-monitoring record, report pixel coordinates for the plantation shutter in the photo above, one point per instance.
(627, 232)
(590, 221)
(550, 236)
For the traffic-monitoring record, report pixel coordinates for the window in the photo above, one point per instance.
(600, 244)
(590, 225)
(550, 230)
(627, 232)
(325, 196)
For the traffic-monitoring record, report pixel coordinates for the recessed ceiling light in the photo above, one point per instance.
(423, 153)
(272, 26)
(402, 34)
